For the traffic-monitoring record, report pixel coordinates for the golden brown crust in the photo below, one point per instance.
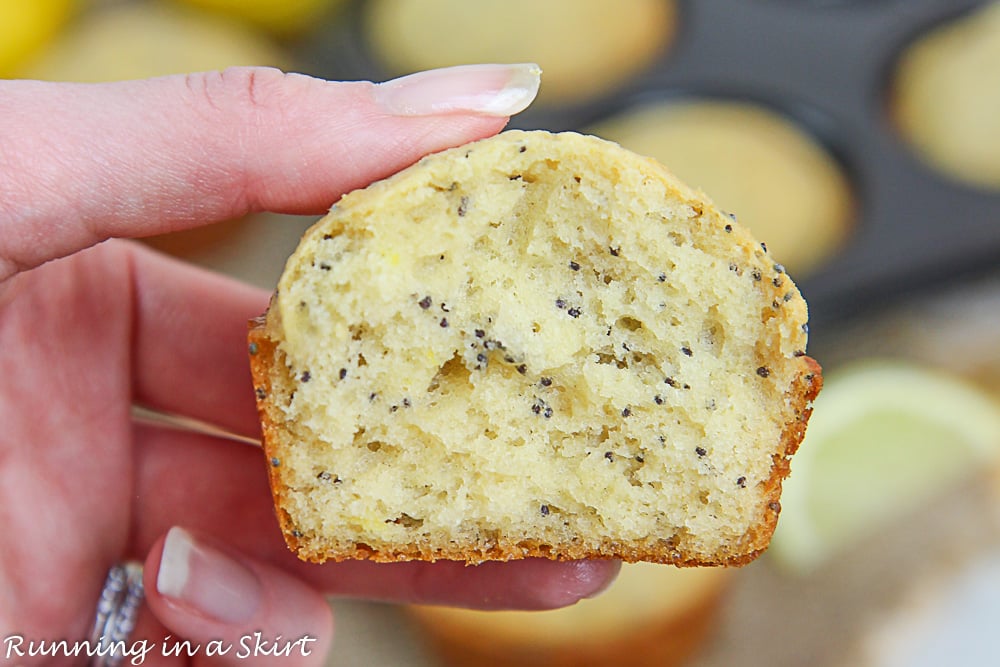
(802, 393)
(265, 358)
(262, 351)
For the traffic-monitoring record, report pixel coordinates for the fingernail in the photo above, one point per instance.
(586, 579)
(205, 580)
(493, 90)
(610, 573)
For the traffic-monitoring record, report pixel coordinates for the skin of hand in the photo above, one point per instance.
(90, 326)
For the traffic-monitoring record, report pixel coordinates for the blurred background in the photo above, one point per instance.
(860, 139)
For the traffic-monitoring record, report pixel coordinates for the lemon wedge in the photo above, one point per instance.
(884, 437)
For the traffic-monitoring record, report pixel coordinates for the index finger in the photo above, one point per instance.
(80, 163)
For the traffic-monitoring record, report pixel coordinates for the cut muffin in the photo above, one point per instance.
(533, 345)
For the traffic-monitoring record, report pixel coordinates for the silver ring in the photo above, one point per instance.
(117, 611)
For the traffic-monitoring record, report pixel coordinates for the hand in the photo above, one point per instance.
(87, 328)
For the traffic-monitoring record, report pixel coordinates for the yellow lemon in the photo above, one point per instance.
(884, 437)
(283, 17)
(26, 26)
(136, 41)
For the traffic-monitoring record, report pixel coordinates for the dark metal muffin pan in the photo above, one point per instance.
(827, 65)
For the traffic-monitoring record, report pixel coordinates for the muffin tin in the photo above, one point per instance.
(828, 66)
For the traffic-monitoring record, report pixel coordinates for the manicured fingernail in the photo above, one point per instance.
(205, 580)
(610, 575)
(493, 90)
(572, 581)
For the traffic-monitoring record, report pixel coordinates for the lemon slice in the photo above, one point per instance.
(884, 437)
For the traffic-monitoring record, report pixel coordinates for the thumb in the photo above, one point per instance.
(230, 609)
(84, 162)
